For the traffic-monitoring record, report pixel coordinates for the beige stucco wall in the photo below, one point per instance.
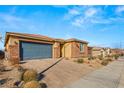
(66, 50)
(76, 50)
(15, 41)
(72, 50)
(11, 41)
(56, 50)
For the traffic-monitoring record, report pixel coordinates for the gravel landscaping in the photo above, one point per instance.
(60, 75)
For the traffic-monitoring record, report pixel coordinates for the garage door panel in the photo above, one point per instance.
(35, 50)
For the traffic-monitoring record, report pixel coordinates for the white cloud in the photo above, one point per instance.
(78, 22)
(90, 15)
(74, 12)
(81, 15)
(120, 9)
(90, 12)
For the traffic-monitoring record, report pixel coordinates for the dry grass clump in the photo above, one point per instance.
(30, 80)
(29, 75)
(66, 58)
(100, 57)
(104, 62)
(43, 85)
(116, 56)
(122, 54)
(80, 60)
(32, 84)
(91, 58)
(108, 59)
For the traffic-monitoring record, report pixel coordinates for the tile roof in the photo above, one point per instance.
(74, 39)
(39, 37)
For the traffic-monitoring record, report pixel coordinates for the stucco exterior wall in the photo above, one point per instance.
(76, 50)
(56, 50)
(13, 45)
(59, 49)
(11, 41)
(12, 50)
(90, 51)
(66, 50)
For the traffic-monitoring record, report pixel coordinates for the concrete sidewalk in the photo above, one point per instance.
(110, 76)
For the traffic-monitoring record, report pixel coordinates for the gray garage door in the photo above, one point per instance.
(35, 50)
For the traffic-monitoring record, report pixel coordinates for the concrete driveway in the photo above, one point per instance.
(110, 76)
(38, 64)
(63, 73)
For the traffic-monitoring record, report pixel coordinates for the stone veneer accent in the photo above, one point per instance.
(13, 53)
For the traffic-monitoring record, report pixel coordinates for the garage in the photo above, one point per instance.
(31, 50)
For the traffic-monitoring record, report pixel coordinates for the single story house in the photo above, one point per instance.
(117, 51)
(101, 51)
(22, 46)
(96, 51)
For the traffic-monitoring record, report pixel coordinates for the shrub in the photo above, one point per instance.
(108, 59)
(80, 60)
(2, 54)
(108, 56)
(105, 62)
(66, 58)
(90, 58)
(32, 84)
(122, 54)
(116, 56)
(100, 57)
(29, 75)
(43, 85)
(2, 67)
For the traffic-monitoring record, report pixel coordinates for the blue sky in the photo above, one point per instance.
(99, 25)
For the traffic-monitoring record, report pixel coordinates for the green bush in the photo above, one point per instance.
(80, 60)
(105, 62)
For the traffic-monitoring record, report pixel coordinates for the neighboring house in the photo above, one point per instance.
(108, 51)
(97, 51)
(116, 51)
(22, 46)
(90, 51)
(100, 51)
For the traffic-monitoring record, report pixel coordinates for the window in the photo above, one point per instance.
(81, 47)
